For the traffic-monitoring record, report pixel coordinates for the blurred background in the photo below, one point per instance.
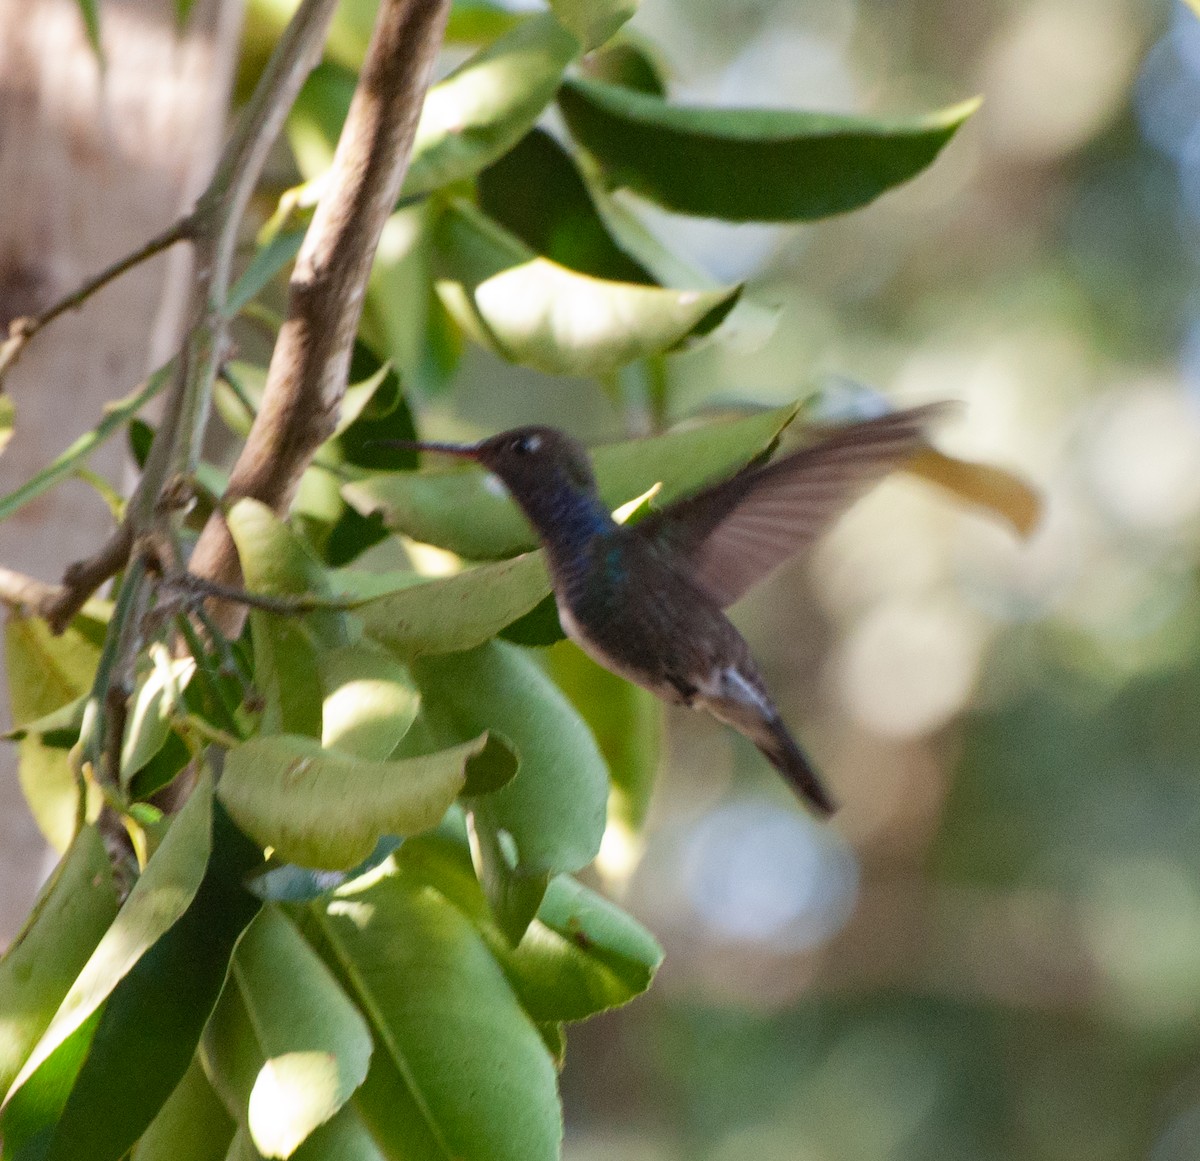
(994, 952)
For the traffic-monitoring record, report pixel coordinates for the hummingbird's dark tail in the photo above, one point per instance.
(780, 748)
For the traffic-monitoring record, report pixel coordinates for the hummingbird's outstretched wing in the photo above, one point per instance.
(731, 535)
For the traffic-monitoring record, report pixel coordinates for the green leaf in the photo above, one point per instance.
(116, 415)
(629, 62)
(536, 193)
(554, 808)
(535, 312)
(90, 11)
(626, 721)
(513, 895)
(593, 21)
(267, 262)
(73, 911)
(8, 415)
(191, 1126)
(160, 896)
(45, 674)
(154, 705)
(457, 612)
(485, 107)
(370, 701)
(320, 808)
(468, 120)
(458, 509)
(460, 1071)
(151, 1023)
(750, 164)
(275, 563)
(313, 1044)
(582, 955)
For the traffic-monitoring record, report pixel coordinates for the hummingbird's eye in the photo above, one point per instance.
(527, 444)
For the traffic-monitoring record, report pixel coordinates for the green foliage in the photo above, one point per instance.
(408, 793)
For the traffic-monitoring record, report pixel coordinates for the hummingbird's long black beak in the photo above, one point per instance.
(463, 451)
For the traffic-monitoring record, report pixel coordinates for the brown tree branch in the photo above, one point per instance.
(307, 376)
(213, 226)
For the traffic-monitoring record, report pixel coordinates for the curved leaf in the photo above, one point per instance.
(582, 955)
(191, 1126)
(314, 1043)
(275, 563)
(554, 808)
(457, 612)
(46, 673)
(151, 1024)
(536, 192)
(72, 913)
(485, 107)
(370, 701)
(160, 896)
(323, 809)
(460, 1071)
(627, 722)
(767, 165)
(461, 510)
(468, 120)
(535, 312)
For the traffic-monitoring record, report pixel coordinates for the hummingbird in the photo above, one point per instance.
(645, 600)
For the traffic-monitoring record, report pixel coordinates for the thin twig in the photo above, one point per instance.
(21, 330)
(307, 376)
(24, 595)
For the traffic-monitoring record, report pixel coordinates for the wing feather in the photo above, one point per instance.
(728, 537)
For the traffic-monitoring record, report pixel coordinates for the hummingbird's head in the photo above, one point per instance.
(527, 460)
(536, 458)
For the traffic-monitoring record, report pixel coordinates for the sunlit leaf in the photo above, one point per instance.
(370, 701)
(457, 612)
(73, 911)
(459, 508)
(151, 1023)
(320, 808)
(313, 1043)
(47, 673)
(469, 119)
(160, 896)
(536, 193)
(626, 721)
(593, 21)
(191, 1125)
(459, 1070)
(554, 808)
(535, 312)
(1002, 492)
(485, 107)
(750, 164)
(151, 710)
